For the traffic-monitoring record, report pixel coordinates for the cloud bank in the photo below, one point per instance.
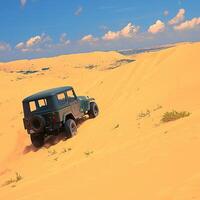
(129, 36)
(188, 25)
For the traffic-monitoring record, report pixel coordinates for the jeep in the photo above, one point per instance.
(48, 112)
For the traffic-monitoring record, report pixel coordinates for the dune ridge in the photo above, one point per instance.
(125, 153)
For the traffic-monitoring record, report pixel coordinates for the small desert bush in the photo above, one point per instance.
(116, 126)
(26, 72)
(87, 153)
(118, 63)
(52, 152)
(45, 68)
(17, 178)
(90, 66)
(144, 114)
(66, 150)
(174, 115)
(157, 108)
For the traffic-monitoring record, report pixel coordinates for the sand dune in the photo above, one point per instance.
(121, 154)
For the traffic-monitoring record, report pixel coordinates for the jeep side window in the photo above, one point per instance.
(32, 106)
(42, 103)
(71, 96)
(61, 98)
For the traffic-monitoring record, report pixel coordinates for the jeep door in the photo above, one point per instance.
(74, 103)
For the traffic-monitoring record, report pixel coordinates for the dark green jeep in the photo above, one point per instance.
(47, 112)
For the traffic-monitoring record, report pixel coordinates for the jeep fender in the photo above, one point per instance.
(91, 99)
(68, 116)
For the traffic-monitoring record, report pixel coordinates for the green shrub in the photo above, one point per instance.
(174, 115)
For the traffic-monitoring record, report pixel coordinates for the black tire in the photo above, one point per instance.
(70, 128)
(37, 140)
(37, 123)
(94, 110)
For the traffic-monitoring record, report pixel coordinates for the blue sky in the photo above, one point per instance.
(38, 28)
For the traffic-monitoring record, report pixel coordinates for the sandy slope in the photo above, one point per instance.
(117, 155)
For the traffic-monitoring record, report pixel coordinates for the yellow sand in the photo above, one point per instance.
(117, 155)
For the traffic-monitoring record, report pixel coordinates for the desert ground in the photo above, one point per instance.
(127, 152)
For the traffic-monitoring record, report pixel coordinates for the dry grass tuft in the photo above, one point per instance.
(17, 178)
(174, 115)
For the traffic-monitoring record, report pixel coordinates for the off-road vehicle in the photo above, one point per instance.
(49, 111)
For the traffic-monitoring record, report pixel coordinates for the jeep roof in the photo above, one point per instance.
(47, 93)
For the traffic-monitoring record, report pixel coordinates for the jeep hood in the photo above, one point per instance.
(85, 98)
(85, 103)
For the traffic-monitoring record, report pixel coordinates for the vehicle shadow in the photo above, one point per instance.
(53, 140)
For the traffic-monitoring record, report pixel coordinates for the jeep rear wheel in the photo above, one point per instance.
(70, 128)
(37, 123)
(94, 110)
(37, 140)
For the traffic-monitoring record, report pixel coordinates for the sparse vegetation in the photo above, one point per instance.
(125, 61)
(26, 72)
(165, 132)
(118, 63)
(88, 153)
(56, 159)
(116, 126)
(17, 178)
(8, 182)
(19, 78)
(45, 68)
(66, 150)
(142, 114)
(174, 115)
(52, 152)
(158, 107)
(90, 66)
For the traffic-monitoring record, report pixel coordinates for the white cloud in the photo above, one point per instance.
(127, 32)
(19, 45)
(89, 38)
(34, 43)
(178, 18)
(63, 39)
(189, 24)
(111, 35)
(158, 27)
(23, 2)
(78, 11)
(4, 46)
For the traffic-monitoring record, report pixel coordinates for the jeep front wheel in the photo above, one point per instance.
(37, 140)
(94, 110)
(70, 128)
